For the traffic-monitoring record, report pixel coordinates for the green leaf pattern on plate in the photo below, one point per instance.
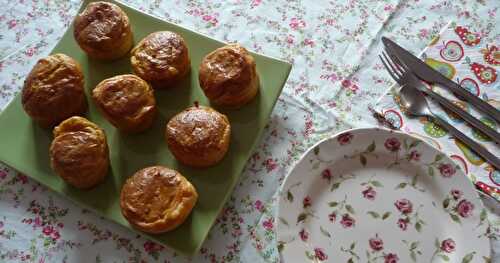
(361, 195)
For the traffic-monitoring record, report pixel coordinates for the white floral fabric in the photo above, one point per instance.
(336, 76)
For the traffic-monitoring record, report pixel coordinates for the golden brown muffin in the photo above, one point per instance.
(103, 31)
(157, 199)
(161, 58)
(228, 76)
(127, 102)
(198, 136)
(53, 90)
(79, 152)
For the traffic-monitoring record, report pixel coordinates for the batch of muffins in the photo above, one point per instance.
(155, 199)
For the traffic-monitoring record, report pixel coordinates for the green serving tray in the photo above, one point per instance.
(25, 146)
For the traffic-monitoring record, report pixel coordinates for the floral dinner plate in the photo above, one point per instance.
(375, 195)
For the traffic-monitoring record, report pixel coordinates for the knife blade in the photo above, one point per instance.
(425, 72)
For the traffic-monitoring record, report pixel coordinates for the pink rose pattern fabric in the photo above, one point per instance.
(466, 55)
(336, 76)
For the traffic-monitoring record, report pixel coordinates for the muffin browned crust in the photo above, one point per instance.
(103, 31)
(198, 136)
(157, 199)
(79, 152)
(228, 76)
(161, 58)
(53, 90)
(127, 102)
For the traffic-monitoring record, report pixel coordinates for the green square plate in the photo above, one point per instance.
(25, 146)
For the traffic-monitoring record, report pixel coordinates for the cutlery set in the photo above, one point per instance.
(409, 72)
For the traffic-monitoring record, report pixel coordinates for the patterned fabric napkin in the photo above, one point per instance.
(461, 55)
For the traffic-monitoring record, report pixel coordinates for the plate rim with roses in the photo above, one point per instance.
(379, 195)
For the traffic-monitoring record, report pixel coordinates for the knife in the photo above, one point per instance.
(425, 72)
(490, 132)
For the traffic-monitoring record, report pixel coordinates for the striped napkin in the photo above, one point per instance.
(461, 55)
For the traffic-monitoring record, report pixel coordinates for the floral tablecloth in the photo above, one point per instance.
(335, 78)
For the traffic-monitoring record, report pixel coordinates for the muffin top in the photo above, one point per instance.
(197, 129)
(226, 70)
(160, 55)
(101, 26)
(124, 96)
(54, 88)
(157, 199)
(78, 145)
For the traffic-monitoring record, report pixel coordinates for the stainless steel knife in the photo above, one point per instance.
(425, 72)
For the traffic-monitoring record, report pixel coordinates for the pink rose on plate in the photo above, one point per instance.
(391, 258)
(376, 243)
(369, 193)
(320, 254)
(456, 194)
(304, 235)
(414, 156)
(332, 217)
(306, 202)
(464, 208)
(347, 221)
(403, 224)
(345, 138)
(404, 206)
(392, 144)
(326, 174)
(448, 245)
(447, 170)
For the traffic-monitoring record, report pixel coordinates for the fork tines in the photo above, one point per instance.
(392, 67)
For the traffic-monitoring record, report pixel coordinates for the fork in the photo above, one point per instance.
(448, 105)
(414, 103)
